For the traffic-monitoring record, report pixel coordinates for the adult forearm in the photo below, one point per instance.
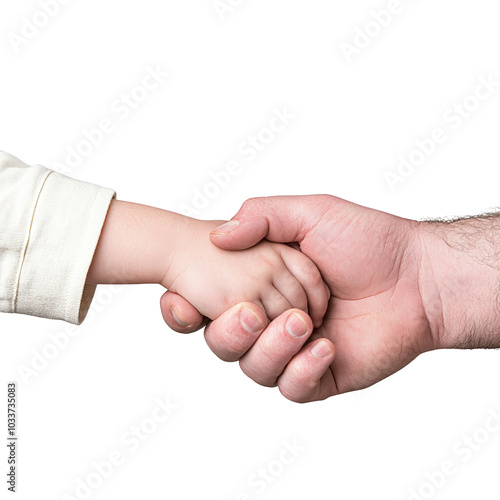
(460, 281)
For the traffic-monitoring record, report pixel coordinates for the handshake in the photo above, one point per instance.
(313, 294)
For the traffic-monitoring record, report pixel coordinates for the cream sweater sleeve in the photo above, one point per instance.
(49, 229)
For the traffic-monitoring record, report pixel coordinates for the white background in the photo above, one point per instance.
(352, 123)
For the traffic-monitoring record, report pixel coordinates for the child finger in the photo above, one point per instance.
(308, 275)
(286, 283)
(274, 302)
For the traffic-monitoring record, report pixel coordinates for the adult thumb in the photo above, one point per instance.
(283, 219)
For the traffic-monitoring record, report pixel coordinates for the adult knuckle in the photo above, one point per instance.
(291, 395)
(227, 348)
(258, 377)
(251, 203)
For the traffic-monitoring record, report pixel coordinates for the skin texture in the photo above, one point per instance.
(141, 244)
(398, 288)
(272, 276)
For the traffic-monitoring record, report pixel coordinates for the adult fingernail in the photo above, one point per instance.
(321, 350)
(250, 321)
(296, 326)
(178, 317)
(227, 227)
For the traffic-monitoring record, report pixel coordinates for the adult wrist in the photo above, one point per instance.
(459, 281)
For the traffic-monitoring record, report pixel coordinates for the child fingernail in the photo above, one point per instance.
(250, 321)
(296, 326)
(321, 350)
(227, 227)
(178, 317)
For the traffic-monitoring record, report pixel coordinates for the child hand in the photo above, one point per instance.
(274, 276)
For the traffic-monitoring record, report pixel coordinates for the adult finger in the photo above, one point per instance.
(308, 376)
(235, 331)
(277, 345)
(179, 314)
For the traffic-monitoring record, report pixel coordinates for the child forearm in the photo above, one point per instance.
(136, 245)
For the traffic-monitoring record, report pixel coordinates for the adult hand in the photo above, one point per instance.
(376, 318)
(399, 288)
